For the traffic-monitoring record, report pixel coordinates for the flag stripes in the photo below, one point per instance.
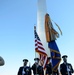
(40, 50)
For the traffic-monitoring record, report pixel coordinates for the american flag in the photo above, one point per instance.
(40, 50)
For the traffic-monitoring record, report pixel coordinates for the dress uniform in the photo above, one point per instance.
(49, 67)
(37, 69)
(66, 68)
(24, 70)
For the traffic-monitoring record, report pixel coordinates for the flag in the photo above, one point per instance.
(40, 50)
(55, 54)
(51, 36)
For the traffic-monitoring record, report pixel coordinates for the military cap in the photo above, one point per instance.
(49, 58)
(64, 56)
(25, 60)
(36, 59)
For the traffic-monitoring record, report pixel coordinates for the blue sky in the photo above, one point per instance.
(17, 19)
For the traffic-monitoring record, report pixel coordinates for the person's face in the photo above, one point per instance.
(25, 63)
(49, 61)
(65, 59)
(36, 61)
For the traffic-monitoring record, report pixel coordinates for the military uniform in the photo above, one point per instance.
(66, 68)
(37, 69)
(24, 70)
(49, 69)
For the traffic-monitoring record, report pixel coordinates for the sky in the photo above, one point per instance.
(17, 20)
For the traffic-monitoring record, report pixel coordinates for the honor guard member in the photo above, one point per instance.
(24, 70)
(37, 69)
(66, 68)
(49, 67)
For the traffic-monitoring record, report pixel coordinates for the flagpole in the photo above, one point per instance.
(35, 51)
(34, 31)
(34, 34)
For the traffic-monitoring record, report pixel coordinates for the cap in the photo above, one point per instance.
(64, 56)
(36, 59)
(49, 58)
(25, 60)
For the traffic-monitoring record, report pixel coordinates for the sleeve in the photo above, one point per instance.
(71, 69)
(19, 71)
(30, 71)
(61, 69)
(42, 71)
(46, 70)
(32, 67)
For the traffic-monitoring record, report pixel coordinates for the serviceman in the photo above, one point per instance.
(48, 67)
(24, 70)
(65, 67)
(37, 69)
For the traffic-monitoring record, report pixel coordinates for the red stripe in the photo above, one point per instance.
(39, 43)
(40, 52)
(41, 48)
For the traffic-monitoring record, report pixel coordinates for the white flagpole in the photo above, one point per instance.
(36, 54)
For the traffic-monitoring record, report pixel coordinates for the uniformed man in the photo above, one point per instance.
(49, 67)
(37, 69)
(24, 70)
(66, 68)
